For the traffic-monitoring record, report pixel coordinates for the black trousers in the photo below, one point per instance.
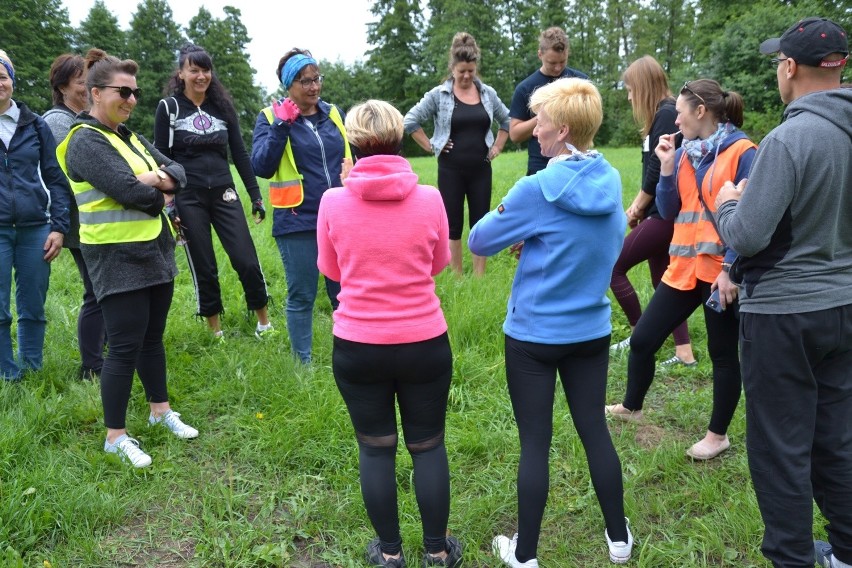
(417, 375)
(199, 210)
(797, 372)
(457, 183)
(666, 310)
(91, 332)
(135, 322)
(531, 375)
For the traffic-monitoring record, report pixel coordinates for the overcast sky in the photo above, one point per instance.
(337, 29)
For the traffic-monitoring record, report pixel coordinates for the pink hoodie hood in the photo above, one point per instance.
(381, 178)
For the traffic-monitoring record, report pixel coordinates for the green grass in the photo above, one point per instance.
(273, 478)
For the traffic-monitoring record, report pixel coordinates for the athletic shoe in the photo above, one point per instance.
(621, 345)
(219, 336)
(127, 449)
(454, 555)
(677, 361)
(376, 558)
(822, 554)
(619, 552)
(172, 421)
(265, 332)
(504, 549)
(623, 414)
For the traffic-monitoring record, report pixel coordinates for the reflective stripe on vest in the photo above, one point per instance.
(103, 220)
(696, 251)
(285, 186)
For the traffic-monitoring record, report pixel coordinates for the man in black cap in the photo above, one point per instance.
(793, 229)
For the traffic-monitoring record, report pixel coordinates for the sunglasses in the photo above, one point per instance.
(123, 92)
(688, 90)
(777, 61)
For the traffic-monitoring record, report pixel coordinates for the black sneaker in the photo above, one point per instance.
(454, 555)
(376, 558)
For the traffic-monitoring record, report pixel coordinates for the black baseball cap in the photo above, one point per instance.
(809, 42)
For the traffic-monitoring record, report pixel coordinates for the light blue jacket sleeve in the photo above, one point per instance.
(515, 219)
(422, 112)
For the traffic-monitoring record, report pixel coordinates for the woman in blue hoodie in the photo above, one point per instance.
(570, 219)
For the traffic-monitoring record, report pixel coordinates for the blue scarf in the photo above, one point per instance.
(698, 149)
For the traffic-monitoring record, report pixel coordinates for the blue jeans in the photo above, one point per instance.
(22, 252)
(299, 255)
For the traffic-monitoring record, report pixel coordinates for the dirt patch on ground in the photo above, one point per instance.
(649, 436)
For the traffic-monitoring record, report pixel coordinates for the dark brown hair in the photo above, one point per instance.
(726, 106)
(63, 70)
(102, 67)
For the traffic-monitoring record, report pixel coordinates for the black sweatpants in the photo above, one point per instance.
(199, 210)
(417, 375)
(135, 322)
(531, 375)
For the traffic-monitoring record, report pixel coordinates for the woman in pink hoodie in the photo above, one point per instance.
(384, 237)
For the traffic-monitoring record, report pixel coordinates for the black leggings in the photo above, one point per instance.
(667, 308)
(531, 375)
(369, 377)
(135, 322)
(455, 183)
(91, 332)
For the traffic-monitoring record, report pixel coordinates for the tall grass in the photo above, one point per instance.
(273, 478)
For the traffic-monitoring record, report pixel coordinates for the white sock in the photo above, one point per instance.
(261, 327)
(835, 563)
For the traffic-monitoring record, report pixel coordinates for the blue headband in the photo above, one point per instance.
(10, 69)
(292, 68)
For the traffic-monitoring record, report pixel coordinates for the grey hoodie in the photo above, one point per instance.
(793, 225)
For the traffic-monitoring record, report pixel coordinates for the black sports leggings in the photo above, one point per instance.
(417, 375)
(531, 375)
(457, 183)
(667, 308)
(135, 322)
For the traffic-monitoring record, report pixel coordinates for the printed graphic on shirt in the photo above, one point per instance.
(500, 209)
(201, 128)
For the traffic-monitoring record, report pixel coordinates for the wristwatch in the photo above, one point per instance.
(161, 174)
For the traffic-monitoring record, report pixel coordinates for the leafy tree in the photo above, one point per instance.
(347, 85)
(153, 42)
(33, 33)
(100, 29)
(226, 41)
(396, 55)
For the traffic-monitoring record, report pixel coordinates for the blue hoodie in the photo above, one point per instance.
(572, 222)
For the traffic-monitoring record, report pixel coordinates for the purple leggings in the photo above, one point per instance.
(648, 241)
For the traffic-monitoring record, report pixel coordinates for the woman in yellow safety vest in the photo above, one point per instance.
(714, 150)
(300, 146)
(121, 184)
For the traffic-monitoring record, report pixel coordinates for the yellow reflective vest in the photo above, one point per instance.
(103, 220)
(285, 185)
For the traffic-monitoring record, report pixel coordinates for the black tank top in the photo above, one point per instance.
(468, 127)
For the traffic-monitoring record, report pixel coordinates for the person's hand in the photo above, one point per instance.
(345, 168)
(730, 192)
(447, 147)
(515, 249)
(635, 214)
(665, 151)
(258, 211)
(286, 110)
(494, 152)
(53, 245)
(728, 291)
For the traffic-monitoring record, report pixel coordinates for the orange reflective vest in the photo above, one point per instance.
(285, 185)
(696, 251)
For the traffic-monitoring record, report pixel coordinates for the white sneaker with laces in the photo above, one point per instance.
(127, 449)
(172, 421)
(619, 552)
(621, 345)
(504, 549)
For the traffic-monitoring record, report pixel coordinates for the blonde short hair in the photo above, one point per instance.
(575, 103)
(374, 127)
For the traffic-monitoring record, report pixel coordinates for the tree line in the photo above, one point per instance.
(410, 41)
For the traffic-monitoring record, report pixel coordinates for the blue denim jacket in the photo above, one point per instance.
(438, 105)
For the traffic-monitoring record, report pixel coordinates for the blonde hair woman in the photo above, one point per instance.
(570, 219)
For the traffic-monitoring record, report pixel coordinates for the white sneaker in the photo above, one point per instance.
(504, 549)
(172, 421)
(621, 345)
(619, 552)
(127, 449)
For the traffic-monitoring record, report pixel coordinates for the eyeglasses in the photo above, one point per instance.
(123, 92)
(306, 83)
(777, 60)
(688, 90)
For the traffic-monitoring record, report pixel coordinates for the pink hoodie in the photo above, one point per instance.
(384, 237)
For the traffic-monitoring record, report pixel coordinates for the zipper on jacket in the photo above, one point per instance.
(322, 151)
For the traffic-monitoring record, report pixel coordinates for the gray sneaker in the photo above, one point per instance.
(127, 449)
(176, 426)
(822, 554)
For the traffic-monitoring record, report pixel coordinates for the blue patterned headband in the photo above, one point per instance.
(10, 69)
(292, 68)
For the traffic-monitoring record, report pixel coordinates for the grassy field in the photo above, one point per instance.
(273, 478)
